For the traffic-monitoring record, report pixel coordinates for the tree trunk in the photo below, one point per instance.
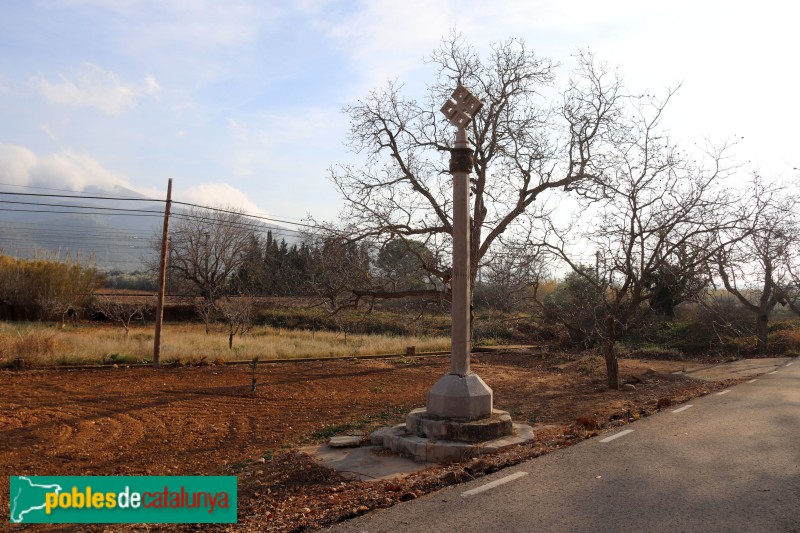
(761, 332)
(612, 366)
(230, 341)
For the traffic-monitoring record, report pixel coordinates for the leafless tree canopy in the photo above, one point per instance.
(759, 266)
(238, 313)
(525, 146)
(336, 265)
(122, 311)
(207, 249)
(661, 216)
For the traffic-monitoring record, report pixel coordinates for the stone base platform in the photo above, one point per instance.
(425, 449)
(421, 422)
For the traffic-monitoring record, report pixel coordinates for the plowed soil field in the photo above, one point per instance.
(207, 420)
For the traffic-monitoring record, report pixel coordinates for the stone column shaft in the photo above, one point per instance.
(460, 166)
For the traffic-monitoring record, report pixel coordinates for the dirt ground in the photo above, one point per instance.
(206, 420)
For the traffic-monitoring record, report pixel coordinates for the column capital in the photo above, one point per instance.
(462, 160)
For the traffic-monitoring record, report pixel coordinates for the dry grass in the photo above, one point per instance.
(46, 344)
(26, 342)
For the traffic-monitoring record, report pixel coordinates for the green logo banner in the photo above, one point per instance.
(123, 499)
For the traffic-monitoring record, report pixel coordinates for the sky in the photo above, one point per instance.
(240, 101)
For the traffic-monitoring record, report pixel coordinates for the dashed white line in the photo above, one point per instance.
(679, 409)
(618, 435)
(726, 391)
(752, 381)
(774, 372)
(788, 364)
(493, 484)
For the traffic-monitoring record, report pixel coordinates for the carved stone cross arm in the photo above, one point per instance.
(461, 107)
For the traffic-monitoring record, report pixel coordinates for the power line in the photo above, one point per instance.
(141, 213)
(282, 220)
(64, 228)
(248, 215)
(73, 206)
(83, 197)
(257, 225)
(54, 189)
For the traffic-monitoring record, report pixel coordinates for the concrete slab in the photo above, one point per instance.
(744, 368)
(368, 463)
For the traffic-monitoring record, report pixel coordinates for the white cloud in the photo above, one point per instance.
(92, 86)
(16, 163)
(48, 131)
(385, 42)
(65, 170)
(220, 195)
(285, 143)
(152, 84)
(207, 23)
(238, 128)
(78, 171)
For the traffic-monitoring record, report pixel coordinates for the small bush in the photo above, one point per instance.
(587, 422)
(658, 352)
(590, 365)
(783, 341)
(576, 305)
(28, 344)
(780, 342)
(496, 329)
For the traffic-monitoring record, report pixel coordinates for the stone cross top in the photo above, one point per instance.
(461, 108)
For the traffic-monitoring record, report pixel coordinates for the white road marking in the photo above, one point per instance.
(679, 409)
(752, 381)
(774, 372)
(788, 364)
(493, 484)
(726, 391)
(618, 435)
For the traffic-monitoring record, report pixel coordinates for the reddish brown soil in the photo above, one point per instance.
(206, 420)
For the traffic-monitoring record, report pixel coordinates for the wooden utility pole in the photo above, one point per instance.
(162, 277)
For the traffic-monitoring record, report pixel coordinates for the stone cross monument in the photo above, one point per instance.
(459, 420)
(461, 394)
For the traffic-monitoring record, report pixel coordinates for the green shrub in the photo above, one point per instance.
(576, 304)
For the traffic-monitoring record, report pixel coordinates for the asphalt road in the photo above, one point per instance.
(730, 462)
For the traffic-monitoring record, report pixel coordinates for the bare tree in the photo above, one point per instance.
(509, 281)
(336, 266)
(238, 312)
(757, 266)
(658, 223)
(123, 311)
(525, 148)
(208, 248)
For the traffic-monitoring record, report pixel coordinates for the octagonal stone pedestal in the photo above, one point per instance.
(421, 422)
(460, 397)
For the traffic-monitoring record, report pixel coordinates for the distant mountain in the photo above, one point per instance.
(115, 233)
(118, 234)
